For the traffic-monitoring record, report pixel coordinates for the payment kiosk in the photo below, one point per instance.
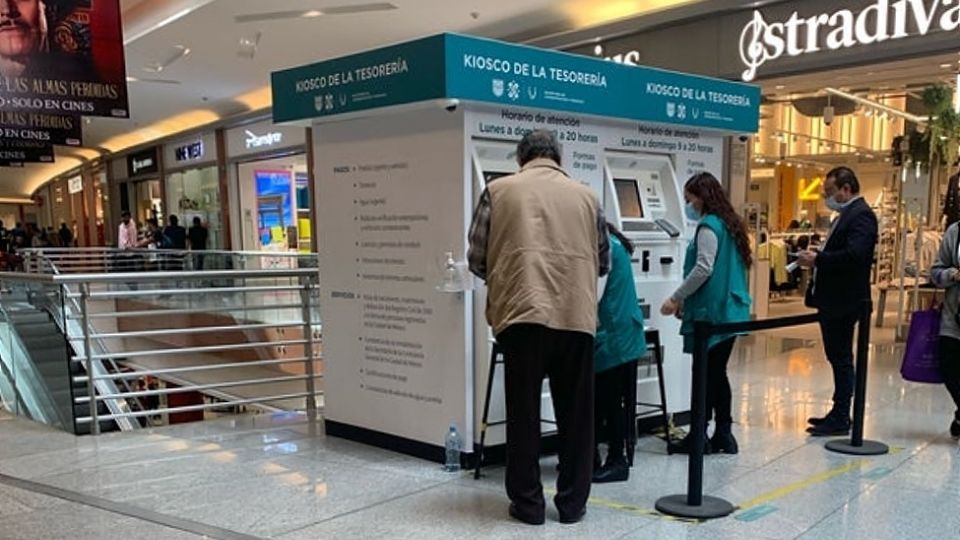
(642, 197)
(406, 138)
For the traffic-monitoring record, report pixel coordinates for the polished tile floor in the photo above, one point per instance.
(278, 477)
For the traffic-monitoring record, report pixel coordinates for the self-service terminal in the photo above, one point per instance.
(642, 197)
(493, 159)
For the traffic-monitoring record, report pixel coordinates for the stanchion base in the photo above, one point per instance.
(712, 507)
(868, 448)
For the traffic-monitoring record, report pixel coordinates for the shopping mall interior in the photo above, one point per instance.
(237, 296)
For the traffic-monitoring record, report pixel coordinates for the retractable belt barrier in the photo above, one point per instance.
(694, 504)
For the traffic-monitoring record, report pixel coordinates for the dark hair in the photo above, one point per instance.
(197, 220)
(844, 176)
(803, 242)
(174, 220)
(538, 143)
(627, 244)
(124, 214)
(707, 188)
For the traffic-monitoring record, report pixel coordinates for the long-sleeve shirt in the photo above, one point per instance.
(480, 234)
(127, 236)
(707, 246)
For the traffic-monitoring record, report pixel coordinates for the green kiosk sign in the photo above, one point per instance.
(451, 66)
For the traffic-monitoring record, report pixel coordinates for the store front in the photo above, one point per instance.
(270, 180)
(842, 85)
(193, 185)
(138, 186)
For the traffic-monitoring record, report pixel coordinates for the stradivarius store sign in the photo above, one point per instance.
(451, 66)
(764, 40)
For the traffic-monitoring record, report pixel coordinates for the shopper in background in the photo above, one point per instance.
(714, 290)
(127, 232)
(66, 235)
(198, 235)
(840, 288)
(620, 342)
(175, 238)
(946, 274)
(539, 240)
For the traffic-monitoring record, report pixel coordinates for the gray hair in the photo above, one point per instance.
(539, 143)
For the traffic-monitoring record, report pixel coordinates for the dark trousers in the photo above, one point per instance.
(837, 332)
(611, 412)
(950, 368)
(530, 353)
(719, 394)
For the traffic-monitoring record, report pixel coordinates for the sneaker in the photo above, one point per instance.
(833, 426)
(683, 446)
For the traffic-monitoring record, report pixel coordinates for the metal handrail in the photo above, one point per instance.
(81, 289)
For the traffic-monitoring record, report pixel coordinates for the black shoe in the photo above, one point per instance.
(955, 429)
(576, 517)
(612, 472)
(723, 442)
(817, 420)
(516, 514)
(833, 426)
(683, 446)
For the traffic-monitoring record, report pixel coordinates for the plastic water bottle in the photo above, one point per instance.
(453, 445)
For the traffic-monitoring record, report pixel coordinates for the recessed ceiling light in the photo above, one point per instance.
(946, 66)
(598, 50)
(780, 87)
(311, 14)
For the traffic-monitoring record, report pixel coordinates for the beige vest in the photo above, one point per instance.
(542, 255)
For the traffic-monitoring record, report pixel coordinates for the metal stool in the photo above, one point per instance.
(640, 408)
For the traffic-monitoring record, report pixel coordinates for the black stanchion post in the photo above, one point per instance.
(694, 504)
(856, 446)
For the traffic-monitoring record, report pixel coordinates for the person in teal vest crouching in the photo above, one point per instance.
(619, 344)
(714, 290)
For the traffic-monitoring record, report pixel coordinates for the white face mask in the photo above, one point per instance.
(834, 205)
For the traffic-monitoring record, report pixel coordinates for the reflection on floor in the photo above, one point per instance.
(270, 477)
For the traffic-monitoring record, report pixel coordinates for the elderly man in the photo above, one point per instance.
(23, 33)
(539, 241)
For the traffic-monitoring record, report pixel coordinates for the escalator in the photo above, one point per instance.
(37, 379)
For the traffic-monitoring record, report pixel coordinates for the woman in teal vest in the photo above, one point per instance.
(714, 290)
(620, 342)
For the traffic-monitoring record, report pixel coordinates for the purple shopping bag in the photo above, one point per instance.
(921, 359)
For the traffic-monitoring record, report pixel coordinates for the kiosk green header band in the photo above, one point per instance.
(453, 66)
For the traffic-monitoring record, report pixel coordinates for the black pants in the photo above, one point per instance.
(950, 368)
(611, 410)
(837, 332)
(719, 393)
(530, 353)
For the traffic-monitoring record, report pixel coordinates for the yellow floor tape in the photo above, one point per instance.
(766, 498)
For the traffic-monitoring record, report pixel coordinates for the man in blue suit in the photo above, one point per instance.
(840, 288)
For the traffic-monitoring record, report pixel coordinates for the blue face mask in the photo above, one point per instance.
(692, 213)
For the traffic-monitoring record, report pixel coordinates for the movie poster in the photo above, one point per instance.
(59, 129)
(16, 151)
(62, 57)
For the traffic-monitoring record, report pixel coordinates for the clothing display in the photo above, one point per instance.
(776, 252)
